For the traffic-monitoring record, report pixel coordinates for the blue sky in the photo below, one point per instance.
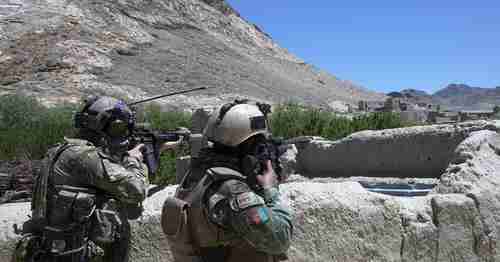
(388, 45)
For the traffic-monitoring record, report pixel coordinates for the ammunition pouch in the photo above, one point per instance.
(60, 207)
(174, 217)
(31, 226)
(71, 205)
(105, 227)
(66, 231)
(133, 211)
(175, 225)
(84, 207)
(68, 241)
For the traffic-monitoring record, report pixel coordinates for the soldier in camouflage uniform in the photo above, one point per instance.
(223, 210)
(87, 190)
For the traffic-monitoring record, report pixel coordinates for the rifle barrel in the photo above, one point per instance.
(165, 95)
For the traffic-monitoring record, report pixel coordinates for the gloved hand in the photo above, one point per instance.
(268, 178)
(183, 133)
(171, 144)
(136, 152)
(183, 130)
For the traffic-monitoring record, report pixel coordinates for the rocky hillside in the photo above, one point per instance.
(457, 97)
(60, 50)
(418, 96)
(460, 96)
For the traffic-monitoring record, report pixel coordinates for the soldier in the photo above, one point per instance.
(87, 190)
(228, 206)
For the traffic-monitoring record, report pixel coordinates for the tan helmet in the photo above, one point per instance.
(232, 124)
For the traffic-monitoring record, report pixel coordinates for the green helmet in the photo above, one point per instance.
(233, 123)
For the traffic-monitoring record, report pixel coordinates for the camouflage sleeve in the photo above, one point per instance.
(126, 181)
(262, 220)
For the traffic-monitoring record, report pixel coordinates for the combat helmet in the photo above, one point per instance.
(106, 116)
(233, 123)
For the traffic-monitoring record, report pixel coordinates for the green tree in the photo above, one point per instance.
(496, 109)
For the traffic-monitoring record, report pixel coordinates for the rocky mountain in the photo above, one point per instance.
(461, 96)
(455, 97)
(417, 96)
(61, 50)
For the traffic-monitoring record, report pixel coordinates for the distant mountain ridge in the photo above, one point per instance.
(418, 96)
(458, 97)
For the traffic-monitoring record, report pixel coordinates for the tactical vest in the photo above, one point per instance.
(60, 214)
(191, 234)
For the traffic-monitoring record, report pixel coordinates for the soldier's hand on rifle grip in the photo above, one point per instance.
(136, 152)
(268, 178)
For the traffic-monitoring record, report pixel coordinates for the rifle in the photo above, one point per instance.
(272, 149)
(152, 140)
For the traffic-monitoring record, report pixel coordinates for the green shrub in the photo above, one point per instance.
(166, 171)
(27, 129)
(291, 120)
(165, 121)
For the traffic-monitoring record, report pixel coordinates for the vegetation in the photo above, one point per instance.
(28, 129)
(291, 120)
(496, 109)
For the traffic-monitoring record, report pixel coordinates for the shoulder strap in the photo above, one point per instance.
(224, 173)
(214, 175)
(39, 202)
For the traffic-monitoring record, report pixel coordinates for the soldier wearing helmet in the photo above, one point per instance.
(222, 211)
(87, 190)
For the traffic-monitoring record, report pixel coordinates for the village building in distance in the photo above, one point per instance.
(425, 113)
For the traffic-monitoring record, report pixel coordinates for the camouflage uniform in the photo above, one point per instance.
(84, 165)
(83, 181)
(227, 207)
(220, 218)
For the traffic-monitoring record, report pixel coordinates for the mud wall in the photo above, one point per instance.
(422, 151)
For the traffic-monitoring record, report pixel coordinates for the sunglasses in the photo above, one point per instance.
(118, 128)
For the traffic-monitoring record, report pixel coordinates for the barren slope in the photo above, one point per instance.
(464, 97)
(60, 50)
